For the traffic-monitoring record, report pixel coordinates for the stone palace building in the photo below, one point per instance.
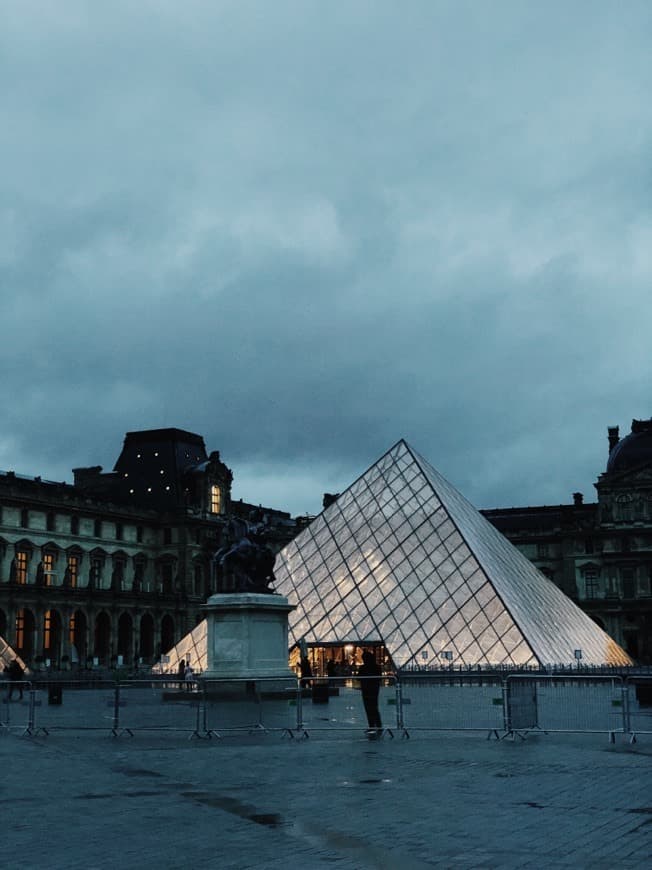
(113, 569)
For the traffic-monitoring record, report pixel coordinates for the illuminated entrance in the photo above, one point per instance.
(340, 660)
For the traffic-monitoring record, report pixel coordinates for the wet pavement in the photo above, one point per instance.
(334, 800)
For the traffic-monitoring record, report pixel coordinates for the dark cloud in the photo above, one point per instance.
(308, 231)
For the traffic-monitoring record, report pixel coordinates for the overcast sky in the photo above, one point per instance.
(305, 230)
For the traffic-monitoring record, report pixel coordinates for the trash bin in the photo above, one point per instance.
(320, 692)
(55, 693)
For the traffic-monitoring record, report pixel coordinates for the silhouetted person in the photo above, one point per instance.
(306, 672)
(15, 674)
(370, 687)
(181, 673)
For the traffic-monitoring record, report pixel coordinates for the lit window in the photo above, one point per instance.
(48, 569)
(21, 567)
(73, 627)
(49, 623)
(216, 500)
(20, 630)
(73, 571)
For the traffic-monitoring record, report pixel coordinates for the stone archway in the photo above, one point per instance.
(146, 648)
(125, 637)
(167, 634)
(52, 637)
(102, 638)
(78, 637)
(24, 638)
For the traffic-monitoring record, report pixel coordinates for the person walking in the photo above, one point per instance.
(370, 675)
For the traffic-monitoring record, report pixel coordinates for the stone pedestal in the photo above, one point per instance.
(247, 636)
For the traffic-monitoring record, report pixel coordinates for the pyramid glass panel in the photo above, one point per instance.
(434, 575)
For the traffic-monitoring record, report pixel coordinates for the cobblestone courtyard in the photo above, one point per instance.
(89, 801)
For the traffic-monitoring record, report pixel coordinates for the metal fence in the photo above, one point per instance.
(565, 704)
(441, 702)
(15, 705)
(513, 705)
(638, 709)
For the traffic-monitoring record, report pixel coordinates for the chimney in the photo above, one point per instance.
(84, 476)
(578, 499)
(613, 437)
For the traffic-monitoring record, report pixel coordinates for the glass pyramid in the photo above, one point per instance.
(192, 649)
(7, 655)
(403, 559)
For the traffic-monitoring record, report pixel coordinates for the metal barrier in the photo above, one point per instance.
(638, 705)
(512, 706)
(549, 703)
(71, 705)
(15, 705)
(447, 702)
(265, 704)
(155, 705)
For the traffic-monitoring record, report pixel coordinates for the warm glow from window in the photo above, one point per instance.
(216, 500)
(20, 629)
(48, 569)
(21, 567)
(73, 570)
(48, 626)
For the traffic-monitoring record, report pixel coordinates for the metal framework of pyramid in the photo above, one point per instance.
(192, 649)
(403, 559)
(7, 655)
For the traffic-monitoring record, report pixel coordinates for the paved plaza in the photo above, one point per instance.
(87, 800)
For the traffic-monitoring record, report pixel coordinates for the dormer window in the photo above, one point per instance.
(216, 499)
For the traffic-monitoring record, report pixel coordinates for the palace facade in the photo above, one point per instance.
(113, 568)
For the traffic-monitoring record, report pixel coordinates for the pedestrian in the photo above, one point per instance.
(370, 675)
(181, 671)
(16, 675)
(189, 677)
(306, 672)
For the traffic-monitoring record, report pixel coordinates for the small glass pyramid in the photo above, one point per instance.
(403, 559)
